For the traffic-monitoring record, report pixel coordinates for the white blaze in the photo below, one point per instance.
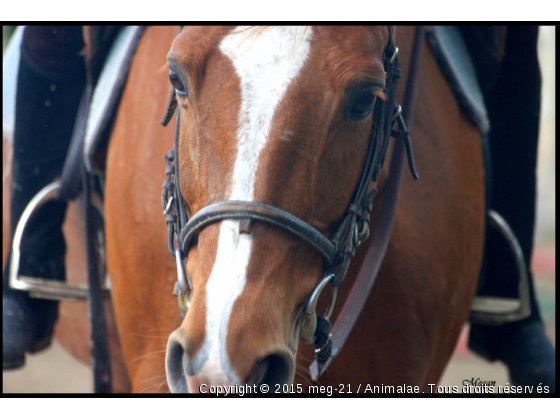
(266, 64)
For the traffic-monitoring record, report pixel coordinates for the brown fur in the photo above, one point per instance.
(422, 296)
(307, 173)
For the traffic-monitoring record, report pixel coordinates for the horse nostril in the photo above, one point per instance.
(174, 366)
(272, 370)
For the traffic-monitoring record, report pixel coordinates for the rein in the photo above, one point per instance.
(375, 253)
(338, 251)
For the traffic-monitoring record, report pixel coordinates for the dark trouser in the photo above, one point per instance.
(513, 96)
(51, 79)
(514, 108)
(510, 79)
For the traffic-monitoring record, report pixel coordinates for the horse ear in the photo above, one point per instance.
(170, 107)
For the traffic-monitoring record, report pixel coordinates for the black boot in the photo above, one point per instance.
(19, 327)
(50, 83)
(523, 347)
(514, 109)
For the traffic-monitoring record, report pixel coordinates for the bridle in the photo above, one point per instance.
(336, 252)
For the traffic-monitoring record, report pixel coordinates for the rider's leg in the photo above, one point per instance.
(50, 83)
(514, 108)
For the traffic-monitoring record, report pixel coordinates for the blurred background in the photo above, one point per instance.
(54, 370)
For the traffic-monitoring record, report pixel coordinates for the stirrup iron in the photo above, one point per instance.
(497, 310)
(38, 287)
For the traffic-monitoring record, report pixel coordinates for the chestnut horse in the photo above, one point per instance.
(265, 117)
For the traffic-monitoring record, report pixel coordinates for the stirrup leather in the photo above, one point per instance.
(496, 310)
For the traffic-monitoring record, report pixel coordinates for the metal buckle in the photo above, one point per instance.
(168, 206)
(38, 287)
(394, 56)
(398, 112)
(356, 235)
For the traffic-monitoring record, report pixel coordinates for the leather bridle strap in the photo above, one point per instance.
(375, 252)
(249, 211)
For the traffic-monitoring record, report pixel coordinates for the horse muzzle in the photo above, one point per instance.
(275, 369)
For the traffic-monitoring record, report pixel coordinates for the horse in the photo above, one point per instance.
(282, 115)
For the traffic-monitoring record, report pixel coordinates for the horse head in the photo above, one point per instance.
(274, 115)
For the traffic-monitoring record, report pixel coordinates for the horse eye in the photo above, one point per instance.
(362, 105)
(177, 84)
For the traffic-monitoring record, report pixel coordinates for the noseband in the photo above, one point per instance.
(336, 252)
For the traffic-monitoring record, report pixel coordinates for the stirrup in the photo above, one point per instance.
(496, 310)
(38, 287)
